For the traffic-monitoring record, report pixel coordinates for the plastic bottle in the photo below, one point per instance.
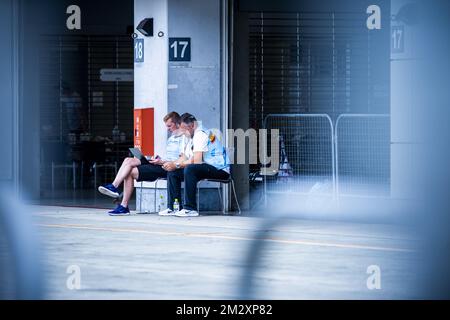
(161, 202)
(176, 205)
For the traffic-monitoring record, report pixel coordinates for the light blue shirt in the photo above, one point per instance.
(174, 146)
(214, 153)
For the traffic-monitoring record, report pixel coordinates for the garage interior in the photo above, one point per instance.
(287, 58)
(86, 116)
(292, 60)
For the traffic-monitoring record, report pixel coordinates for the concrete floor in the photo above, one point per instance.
(151, 257)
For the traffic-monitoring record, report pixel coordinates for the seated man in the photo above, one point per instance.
(133, 169)
(204, 158)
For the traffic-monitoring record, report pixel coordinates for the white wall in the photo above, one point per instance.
(151, 76)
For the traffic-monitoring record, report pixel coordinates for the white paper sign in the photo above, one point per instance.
(116, 75)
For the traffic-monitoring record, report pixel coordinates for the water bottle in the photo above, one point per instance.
(162, 205)
(176, 205)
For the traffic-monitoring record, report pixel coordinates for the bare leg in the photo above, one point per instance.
(128, 186)
(125, 170)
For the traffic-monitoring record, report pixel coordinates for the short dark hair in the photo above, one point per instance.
(174, 116)
(187, 118)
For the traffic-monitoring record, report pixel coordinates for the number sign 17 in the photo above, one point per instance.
(179, 49)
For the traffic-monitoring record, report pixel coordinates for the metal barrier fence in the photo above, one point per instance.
(358, 165)
(362, 155)
(351, 158)
(306, 154)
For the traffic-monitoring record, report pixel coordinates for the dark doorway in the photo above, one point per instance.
(86, 113)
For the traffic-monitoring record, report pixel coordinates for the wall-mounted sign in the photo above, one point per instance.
(138, 50)
(179, 49)
(120, 75)
(398, 39)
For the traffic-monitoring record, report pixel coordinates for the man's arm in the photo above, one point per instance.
(158, 161)
(171, 165)
(200, 146)
(184, 162)
(197, 159)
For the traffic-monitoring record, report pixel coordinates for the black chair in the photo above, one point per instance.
(220, 181)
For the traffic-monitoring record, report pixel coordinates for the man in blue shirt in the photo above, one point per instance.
(132, 169)
(203, 158)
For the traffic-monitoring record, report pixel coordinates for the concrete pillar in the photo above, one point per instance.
(405, 108)
(151, 76)
(240, 107)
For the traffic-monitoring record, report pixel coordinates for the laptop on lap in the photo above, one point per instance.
(136, 152)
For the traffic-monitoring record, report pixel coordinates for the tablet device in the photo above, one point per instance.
(138, 154)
